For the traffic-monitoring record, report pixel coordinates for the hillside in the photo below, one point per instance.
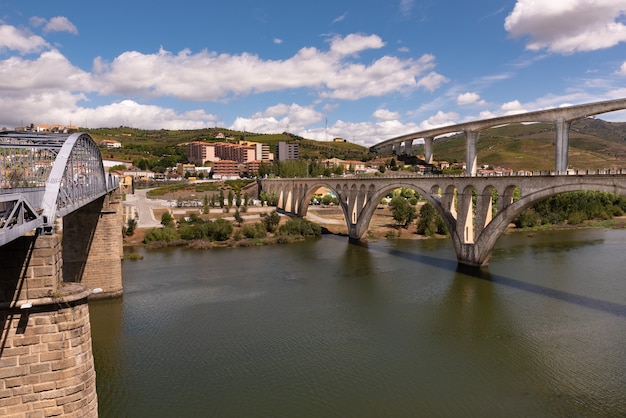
(136, 143)
(593, 144)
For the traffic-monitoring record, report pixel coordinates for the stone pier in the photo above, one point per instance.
(92, 246)
(46, 359)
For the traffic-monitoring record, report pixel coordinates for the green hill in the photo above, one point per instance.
(138, 143)
(593, 144)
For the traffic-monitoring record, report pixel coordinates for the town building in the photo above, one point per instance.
(285, 151)
(110, 143)
(226, 169)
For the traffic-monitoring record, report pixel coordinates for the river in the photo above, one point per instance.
(325, 328)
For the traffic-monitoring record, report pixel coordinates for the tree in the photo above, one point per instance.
(402, 211)
(131, 225)
(167, 219)
(205, 204)
(270, 220)
(238, 217)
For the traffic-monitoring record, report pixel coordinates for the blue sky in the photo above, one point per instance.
(365, 71)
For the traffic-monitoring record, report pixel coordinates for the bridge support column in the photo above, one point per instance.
(408, 147)
(428, 149)
(92, 246)
(46, 359)
(471, 138)
(562, 144)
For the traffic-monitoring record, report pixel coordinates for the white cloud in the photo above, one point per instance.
(385, 114)
(362, 133)
(469, 98)
(211, 76)
(512, 107)
(133, 114)
(440, 119)
(432, 81)
(340, 18)
(50, 71)
(278, 41)
(568, 26)
(21, 41)
(49, 88)
(279, 118)
(622, 70)
(60, 24)
(355, 43)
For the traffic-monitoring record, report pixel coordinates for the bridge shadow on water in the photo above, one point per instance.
(484, 274)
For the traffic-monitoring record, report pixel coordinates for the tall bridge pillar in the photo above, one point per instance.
(46, 359)
(562, 144)
(92, 246)
(428, 149)
(470, 159)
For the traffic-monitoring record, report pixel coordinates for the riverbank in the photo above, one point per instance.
(331, 219)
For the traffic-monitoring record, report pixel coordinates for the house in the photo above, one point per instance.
(110, 143)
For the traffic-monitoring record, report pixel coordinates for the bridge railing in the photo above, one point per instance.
(521, 173)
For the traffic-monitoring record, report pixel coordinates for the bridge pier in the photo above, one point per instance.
(562, 145)
(92, 246)
(428, 149)
(46, 359)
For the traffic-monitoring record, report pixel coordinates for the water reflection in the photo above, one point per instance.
(389, 328)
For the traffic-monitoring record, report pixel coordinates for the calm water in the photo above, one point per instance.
(391, 329)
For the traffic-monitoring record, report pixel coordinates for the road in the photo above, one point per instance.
(139, 206)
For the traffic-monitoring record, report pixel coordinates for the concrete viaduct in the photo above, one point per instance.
(465, 203)
(561, 117)
(60, 245)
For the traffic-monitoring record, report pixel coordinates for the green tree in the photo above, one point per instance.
(205, 204)
(270, 220)
(238, 217)
(429, 222)
(167, 219)
(402, 211)
(131, 225)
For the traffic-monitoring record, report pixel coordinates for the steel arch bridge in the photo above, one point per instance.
(45, 176)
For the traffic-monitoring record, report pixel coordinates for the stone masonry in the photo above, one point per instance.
(92, 246)
(46, 359)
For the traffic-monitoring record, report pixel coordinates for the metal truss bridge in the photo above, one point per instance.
(45, 176)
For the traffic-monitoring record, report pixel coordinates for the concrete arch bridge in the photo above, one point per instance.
(561, 117)
(466, 203)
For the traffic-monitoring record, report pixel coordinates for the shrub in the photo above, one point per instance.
(255, 231)
(575, 218)
(299, 226)
(221, 229)
(166, 234)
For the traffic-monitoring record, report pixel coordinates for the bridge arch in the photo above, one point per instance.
(77, 178)
(487, 240)
(466, 204)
